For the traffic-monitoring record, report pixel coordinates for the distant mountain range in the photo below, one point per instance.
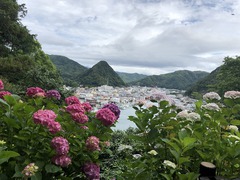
(182, 79)
(102, 73)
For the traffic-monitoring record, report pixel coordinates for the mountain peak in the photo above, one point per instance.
(100, 74)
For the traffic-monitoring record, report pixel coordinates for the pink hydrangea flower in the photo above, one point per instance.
(92, 171)
(72, 100)
(1, 85)
(54, 127)
(114, 108)
(62, 160)
(106, 116)
(92, 143)
(53, 94)
(44, 117)
(80, 117)
(4, 93)
(35, 92)
(232, 94)
(87, 106)
(75, 108)
(60, 145)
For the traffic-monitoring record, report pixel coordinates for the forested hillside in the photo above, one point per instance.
(177, 80)
(130, 77)
(100, 74)
(222, 79)
(69, 69)
(23, 63)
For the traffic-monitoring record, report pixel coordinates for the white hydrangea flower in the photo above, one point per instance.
(182, 115)
(232, 127)
(211, 96)
(232, 94)
(124, 146)
(194, 116)
(136, 156)
(153, 152)
(169, 163)
(211, 107)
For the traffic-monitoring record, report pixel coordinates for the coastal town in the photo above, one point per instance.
(126, 97)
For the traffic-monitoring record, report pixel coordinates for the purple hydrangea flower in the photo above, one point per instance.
(92, 171)
(53, 94)
(114, 108)
(92, 143)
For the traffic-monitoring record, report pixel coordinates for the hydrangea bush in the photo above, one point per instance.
(46, 137)
(174, 142)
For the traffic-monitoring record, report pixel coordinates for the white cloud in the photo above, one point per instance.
(144, 36)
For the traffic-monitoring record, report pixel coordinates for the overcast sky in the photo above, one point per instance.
(143, 36)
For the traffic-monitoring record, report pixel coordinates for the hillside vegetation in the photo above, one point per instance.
(224, 78)
(130, 77)
(23, 63)
(182, 79)
(100, 74)
(68, 68)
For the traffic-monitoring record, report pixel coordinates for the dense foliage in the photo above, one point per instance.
(68, 69)
(176, 80)
(100, 74)
(43, 138)
(224, 78)
(171, 144)
(23, 63)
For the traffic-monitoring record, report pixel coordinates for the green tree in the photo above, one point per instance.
(228, 77)
(14, 37)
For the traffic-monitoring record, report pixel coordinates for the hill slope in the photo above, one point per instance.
(100, 74)
(130, 77)
(177, 80)
(222, 79)
(69, 69)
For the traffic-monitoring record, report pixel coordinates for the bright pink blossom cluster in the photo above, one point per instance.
(35, 92)
(92, 171)
(1, 85)
(53, 94)
(72, 100)
(106, 116)
(80, 118)
(47, 118)
(77, 109)
(61, 146)
(3, 93)
(92, 143)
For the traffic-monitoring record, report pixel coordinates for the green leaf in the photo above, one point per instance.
(183, 160)
(175, 154)
(166, 176)
(37, 176)
(188, 141)
(235, 122)
(50, 168)
(5, 155)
